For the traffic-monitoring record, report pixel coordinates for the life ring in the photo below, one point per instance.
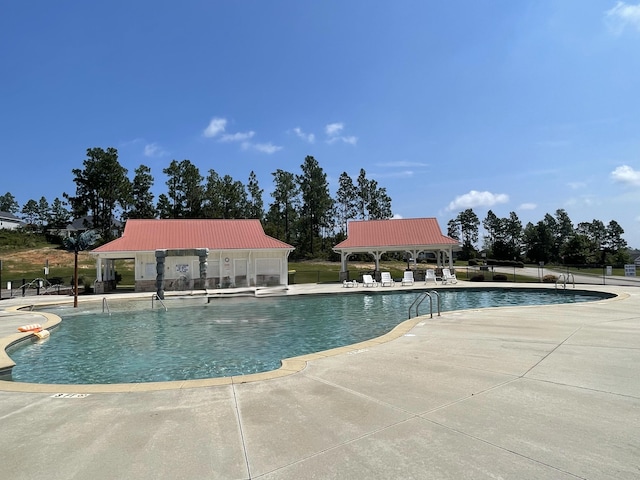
(32, 327)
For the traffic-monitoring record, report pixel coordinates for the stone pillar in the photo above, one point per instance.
(160, 257)
(203, 254)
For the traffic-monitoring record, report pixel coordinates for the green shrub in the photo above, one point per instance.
(500, 277)
(549, 279)
(477, 278)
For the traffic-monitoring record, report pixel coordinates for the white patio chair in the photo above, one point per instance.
(386, 280)
(368, 281)
(430, 276)
(448, 277)
(407, 279)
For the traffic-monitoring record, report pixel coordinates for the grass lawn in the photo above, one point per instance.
(25, 257)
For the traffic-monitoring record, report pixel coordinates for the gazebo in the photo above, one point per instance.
(185, 254)
(410, 235)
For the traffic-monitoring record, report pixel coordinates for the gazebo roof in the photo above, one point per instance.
(215, 234)
(395, 235)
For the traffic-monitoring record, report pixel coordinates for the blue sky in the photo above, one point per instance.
(527, 106)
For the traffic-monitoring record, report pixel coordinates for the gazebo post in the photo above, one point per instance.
(344, 271)
(376, 255)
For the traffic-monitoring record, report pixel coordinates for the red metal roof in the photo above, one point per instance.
(406, 232)
(215, 234)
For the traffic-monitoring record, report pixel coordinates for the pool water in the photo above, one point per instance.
(229, 336)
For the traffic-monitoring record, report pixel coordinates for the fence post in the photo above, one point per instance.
(23, 287)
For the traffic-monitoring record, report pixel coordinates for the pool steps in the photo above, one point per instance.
(247, 292)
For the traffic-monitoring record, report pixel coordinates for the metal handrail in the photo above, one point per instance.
(421, 298)
(105, 304)
(438, 297)
(155, 296)
(564, 277)
(426, 295)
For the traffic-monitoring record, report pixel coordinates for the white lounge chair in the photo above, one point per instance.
(349, 283)
(407, 279)
(368, 281)
(386, 280)
(430, 275)
(448, 277)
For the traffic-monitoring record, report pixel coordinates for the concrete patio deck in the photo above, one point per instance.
(548, 392)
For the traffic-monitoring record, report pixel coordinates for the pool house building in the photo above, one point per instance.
(189, 254)
(412, 236)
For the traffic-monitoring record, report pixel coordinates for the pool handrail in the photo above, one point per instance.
(564, 278)
(105, 304)
(421, 299)
(155, 296)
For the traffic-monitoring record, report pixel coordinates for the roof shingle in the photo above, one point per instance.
(215, 234)
(395, 233)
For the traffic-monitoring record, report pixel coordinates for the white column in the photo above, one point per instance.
(344, 257)
(98, 269)
(376, 256)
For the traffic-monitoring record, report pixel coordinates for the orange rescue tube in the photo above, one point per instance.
(32, 327)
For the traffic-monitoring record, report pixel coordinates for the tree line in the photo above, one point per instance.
(554, 239)
(301, 212)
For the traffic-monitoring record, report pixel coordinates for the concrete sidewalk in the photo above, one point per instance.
(548, 392)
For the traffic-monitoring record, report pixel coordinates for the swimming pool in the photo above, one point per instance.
(230, 336)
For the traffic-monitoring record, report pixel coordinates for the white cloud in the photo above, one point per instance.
(216, 126)
(403, 174)
(237, 137)
(154, 150)
(627, 175)
(307, 137)
(576, 185)
(477, 199)
(397, 216)
(623, 15)
(584, 201)
(267, 148)
(126, 143)
(528, 206)
(334, 131)
(401, 164)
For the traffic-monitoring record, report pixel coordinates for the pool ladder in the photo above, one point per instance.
(105, 306)
(156, 297)
(564, 279)
(421, 298)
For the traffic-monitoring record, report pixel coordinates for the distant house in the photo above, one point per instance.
(85, 223)
(9, 221)
(194, 254)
